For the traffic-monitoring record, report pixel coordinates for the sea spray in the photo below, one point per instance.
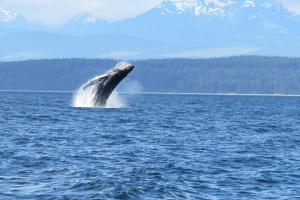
(115, 101)
(85, 99)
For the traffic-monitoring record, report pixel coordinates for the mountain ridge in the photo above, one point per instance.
(172, 29)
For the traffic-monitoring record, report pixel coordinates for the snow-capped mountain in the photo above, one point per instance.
(211, 7)
(175, 28)
(197, 7)
(228, 9)
(6, 16)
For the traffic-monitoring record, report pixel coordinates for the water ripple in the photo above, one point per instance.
(159, 147)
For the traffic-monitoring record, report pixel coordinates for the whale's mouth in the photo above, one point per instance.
(129, 68)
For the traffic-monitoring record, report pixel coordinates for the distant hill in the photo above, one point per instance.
(244, 74)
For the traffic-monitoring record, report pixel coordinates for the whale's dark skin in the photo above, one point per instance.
(105, 84)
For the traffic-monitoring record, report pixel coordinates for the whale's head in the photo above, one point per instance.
(125, 68)
(119, 72)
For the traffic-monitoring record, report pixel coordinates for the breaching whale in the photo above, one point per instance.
(100, 88)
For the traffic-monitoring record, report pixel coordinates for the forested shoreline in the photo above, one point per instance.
(240, 75)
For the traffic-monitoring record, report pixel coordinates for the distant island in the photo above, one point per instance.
(238, 75)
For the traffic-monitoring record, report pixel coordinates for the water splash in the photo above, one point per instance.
(115, 101)
(84, 98)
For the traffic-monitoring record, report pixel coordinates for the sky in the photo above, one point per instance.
(55, 13)
(58, 12)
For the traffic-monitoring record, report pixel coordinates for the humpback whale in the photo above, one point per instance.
(100, 88)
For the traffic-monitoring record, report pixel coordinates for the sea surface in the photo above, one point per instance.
(156, 147)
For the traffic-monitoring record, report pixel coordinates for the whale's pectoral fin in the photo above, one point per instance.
(95, 81)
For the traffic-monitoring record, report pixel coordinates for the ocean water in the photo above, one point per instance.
(157, 147)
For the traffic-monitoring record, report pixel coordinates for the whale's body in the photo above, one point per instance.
(102, 86)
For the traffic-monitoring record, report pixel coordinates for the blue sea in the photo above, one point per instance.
(156, 147)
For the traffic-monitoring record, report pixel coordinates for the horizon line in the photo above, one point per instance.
(146, 59)
(167, 93)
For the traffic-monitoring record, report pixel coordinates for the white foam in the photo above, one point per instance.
(115, 101)
(84, 98)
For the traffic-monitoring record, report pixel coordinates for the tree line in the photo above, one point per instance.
(240, 74)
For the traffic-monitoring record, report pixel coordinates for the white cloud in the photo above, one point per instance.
(58, 12)
(292, 5)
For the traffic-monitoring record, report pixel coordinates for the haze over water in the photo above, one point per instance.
(157, 147)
